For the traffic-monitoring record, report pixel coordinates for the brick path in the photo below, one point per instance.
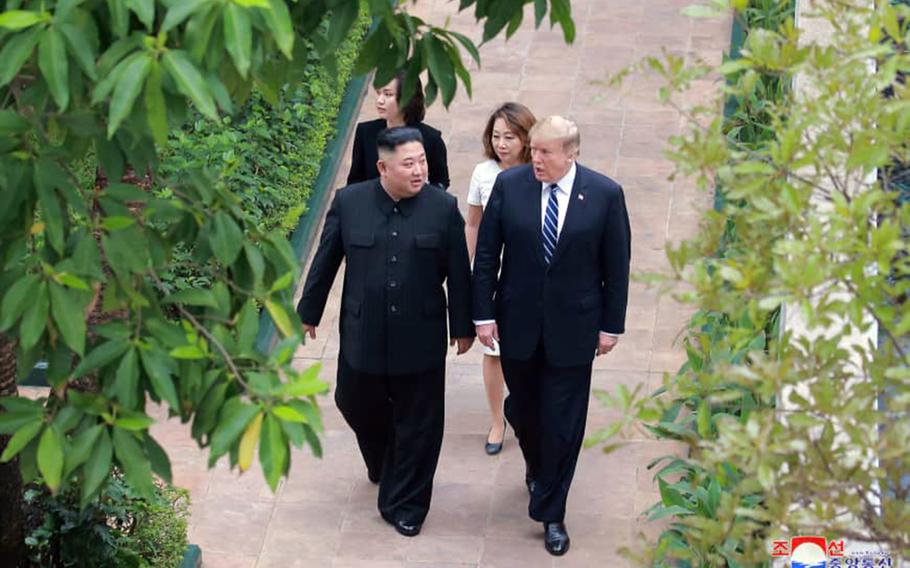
(324, 515)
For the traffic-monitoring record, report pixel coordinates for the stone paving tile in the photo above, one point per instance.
(325, 514)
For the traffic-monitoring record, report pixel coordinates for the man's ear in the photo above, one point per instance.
(381, 166)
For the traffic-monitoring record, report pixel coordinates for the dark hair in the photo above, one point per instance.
(416, 108)
(390, 138)
(520, 119)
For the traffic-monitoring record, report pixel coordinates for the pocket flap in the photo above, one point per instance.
(429, 240)
(361, 239)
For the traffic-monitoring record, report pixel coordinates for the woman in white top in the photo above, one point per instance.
(505, 144)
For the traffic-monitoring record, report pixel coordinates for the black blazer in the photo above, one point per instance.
(398, 255)
(365, 154)
(583, 291)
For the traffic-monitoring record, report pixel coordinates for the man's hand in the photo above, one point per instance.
(486, 333)
(309, 330)
(464, 343)
(605, 343)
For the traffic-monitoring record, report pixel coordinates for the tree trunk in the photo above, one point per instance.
(12, 539)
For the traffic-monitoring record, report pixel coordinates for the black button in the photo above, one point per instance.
(394, 233)
(394, 259)
(393, 308)
(393, 284)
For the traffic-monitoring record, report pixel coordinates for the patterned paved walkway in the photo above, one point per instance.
(325, 515)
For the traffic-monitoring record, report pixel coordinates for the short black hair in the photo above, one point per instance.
(390, 138)
(415, 108)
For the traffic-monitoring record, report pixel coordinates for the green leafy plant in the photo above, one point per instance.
(789, 433)
(118, 528)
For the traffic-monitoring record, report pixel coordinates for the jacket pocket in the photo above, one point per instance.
(361, 239)
(352, 308)
(427, 241)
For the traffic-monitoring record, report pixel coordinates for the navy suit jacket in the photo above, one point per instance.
(583, 291)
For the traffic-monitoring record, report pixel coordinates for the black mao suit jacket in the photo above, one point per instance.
(365, 154)
(583, 291)
(398, 256)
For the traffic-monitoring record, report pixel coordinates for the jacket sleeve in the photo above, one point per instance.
(487, 256)
(616, 253)
(458, 279)
(324, 268)
(439, 162)
(358, 168)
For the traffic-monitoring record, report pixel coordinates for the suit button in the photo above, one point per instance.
(395, 209)
(394, 233)
(393, 284)
(393, 259)
(393, 308)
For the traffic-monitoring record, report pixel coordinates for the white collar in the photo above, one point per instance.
(566, 182)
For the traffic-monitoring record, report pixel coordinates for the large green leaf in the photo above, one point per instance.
(189, 81)
(235, 415)
(11, 122)
(120, 17)
(97, 467)
(34, 320)
(192, 297)
(81, 49)
(134, 461)
(441, 68)
(273, 451)
(278, 19)
(126, 382)
(161, 464)
(144, 10)
(21, 438)
(80, 449)
(155, 105)
(15, 52)
(100, 356)
(226, 239)
(159, 369)
(69, 316)
(50, 458)
(129, 84)
(238, 37)
(180, 11)
(54, 66)
(20, 19)
(14, 303)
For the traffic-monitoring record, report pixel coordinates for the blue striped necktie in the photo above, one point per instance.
(550, 223)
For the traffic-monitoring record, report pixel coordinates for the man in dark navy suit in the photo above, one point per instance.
(401, 239)
(551, 280)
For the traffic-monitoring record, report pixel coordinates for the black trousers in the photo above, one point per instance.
(547, 406)
(398, 421)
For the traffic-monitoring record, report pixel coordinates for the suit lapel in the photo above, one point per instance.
(574, 210)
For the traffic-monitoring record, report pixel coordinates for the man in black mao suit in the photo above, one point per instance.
(563, 235)
(401, 239)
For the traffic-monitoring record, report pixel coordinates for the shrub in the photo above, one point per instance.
(119, 528)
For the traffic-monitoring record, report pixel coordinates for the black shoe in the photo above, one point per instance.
(555, 538)
(494, 448)
(404, 528)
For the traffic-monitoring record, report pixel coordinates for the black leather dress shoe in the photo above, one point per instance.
(404, 528)
(555, 538)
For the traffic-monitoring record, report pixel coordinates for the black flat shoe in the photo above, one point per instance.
(404, 528)
(555, 538)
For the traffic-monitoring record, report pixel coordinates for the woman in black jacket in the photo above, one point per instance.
(388, 99)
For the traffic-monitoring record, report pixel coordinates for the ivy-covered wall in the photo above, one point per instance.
(269, 154)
